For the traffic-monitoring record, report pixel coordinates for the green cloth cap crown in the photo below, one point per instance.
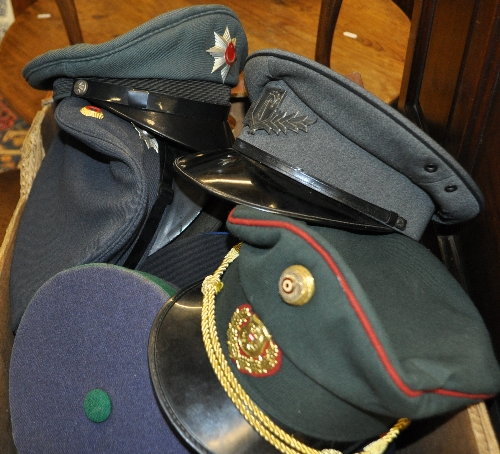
(171, 46)
(387, 333)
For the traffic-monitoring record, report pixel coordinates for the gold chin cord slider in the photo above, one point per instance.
(266, 428)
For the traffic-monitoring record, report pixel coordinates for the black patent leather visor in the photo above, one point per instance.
(189, 392)
(187, 387)
(199, 126)
(235, 176)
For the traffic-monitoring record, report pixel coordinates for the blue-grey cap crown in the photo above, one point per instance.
(355, 139)
(171, 46)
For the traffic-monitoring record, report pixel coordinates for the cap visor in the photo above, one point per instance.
(188, 390)
(242, 180)
(186, 386)
(191, 133)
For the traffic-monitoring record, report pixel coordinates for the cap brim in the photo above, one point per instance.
(188, 389)
(191, 133)
(186, 386)
(242, 180)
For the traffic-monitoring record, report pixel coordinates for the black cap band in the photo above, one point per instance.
(147, 100)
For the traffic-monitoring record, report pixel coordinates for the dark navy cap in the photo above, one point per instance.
(189, 259)
(317, 146)
(79, 377)
(172, 75)
(91, 196)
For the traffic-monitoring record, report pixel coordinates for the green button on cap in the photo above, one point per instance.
(97, 405)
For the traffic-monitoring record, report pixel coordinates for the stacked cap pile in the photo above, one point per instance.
(321, 337)
(105, 191)
(308, 336)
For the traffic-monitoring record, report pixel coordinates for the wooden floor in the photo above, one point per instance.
(377, 53)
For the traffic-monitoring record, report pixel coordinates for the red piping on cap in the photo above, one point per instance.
(365, 323)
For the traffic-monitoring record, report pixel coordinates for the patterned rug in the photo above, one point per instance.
(13, 130)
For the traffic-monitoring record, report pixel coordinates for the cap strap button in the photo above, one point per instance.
(80, 87)
(431, 168)
(296, 285)
(451, 188)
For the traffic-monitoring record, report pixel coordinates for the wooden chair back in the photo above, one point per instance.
(69, 16)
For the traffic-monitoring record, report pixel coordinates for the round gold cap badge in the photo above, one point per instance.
(296, 285)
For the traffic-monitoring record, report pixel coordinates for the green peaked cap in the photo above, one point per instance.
(387, 332)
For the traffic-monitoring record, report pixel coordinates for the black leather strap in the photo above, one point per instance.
(164, 199)
(142, 99)
(375, 212)
(191, 133)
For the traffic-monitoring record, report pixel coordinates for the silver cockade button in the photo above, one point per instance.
(80, 87)
(296, 285)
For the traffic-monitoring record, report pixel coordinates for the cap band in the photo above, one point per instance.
(271, 432)
(147, 100)
(375, 212)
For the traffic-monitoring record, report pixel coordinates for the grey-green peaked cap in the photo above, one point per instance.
(358, 143)
(171, 46)
(388, 332)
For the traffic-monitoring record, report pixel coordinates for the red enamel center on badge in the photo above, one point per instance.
(230, 54)
(287, 285)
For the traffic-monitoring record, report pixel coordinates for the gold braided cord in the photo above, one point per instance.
(266, 428)
(379, 446)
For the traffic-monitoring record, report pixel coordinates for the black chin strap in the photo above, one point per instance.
(164, 199)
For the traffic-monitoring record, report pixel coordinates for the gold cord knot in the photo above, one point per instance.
(379, 446)
(211, 283)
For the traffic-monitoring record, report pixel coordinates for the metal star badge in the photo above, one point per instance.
(224, 53)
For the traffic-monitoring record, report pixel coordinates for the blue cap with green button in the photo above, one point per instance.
(79, 379)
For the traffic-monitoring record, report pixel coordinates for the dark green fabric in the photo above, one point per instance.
(430, 337)
(97, 405)
(289, 396)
